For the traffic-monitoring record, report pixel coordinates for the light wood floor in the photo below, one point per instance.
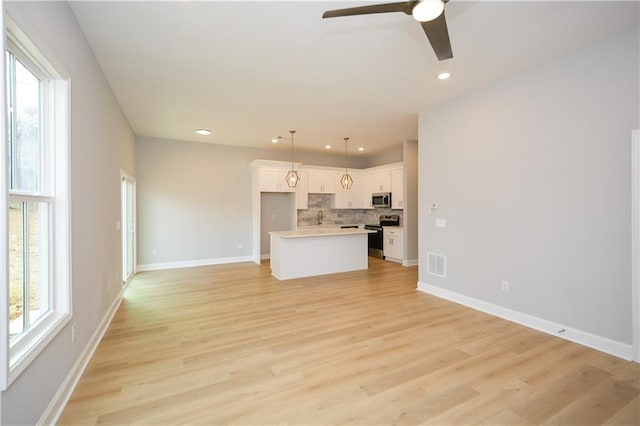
(229, 344)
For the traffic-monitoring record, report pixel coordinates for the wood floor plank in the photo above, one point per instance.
(487, 407)
(594, 407)
(627, 415)
(229, 344)
(551, 400)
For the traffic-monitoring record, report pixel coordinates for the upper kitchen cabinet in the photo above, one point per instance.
(380, 181)
(322, 182)
(273, 180)
(270, 176)
(397, 188)
(350, 198)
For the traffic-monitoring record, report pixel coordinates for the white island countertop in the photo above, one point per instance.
(319, 232)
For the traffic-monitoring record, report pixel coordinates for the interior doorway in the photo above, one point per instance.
(276, 214)
(128, 190)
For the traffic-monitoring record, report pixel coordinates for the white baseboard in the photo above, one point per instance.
(265, 256)
(59, 401)
(190, 263)
(612, 347)
(410, 262)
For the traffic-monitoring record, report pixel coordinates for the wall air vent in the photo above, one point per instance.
(437, 265)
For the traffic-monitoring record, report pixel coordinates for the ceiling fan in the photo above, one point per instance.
(430, 14)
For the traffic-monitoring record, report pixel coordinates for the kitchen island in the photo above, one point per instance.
(309, 252)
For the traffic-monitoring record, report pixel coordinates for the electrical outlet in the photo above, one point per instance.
(505, 285)
(154, 252)
(73, 333)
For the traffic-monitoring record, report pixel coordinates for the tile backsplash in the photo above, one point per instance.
(309, 217)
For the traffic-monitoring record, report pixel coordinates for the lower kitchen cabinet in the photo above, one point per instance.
(393, 246)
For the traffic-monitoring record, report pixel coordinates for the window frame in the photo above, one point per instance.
(22, 349)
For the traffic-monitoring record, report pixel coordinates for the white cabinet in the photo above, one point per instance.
(366, 191)
(302, 191)
(393, 245)
(380, 181)
(350, 198)
(375, 181)
(322, 182)
(272, 179)
(397, 189)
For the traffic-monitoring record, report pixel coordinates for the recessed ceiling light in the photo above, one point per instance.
(204, 132)
(327, 147)
(361, 148)
(444, 75)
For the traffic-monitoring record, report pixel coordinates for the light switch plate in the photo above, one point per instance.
(441, 223)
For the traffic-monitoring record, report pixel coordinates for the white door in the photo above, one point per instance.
(128, 227)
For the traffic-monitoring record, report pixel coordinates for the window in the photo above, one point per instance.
(37, 200)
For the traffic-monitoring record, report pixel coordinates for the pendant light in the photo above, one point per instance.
(292, 177)
(346, 181)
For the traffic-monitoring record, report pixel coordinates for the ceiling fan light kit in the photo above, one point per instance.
(430, 13)
(427, 10)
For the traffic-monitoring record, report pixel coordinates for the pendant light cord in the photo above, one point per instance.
(346, 161)
(292, 132)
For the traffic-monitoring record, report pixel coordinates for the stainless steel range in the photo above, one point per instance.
(376, 239)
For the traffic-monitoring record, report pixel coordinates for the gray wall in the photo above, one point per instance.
(101, 144)
(533, 178)
(193, 200)
(410, 155)
(392, 155)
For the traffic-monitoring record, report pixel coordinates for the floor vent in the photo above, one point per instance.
(437, 265)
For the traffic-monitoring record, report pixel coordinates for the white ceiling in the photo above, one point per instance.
(251, 71)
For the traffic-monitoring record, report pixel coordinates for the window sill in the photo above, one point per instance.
(29, 346)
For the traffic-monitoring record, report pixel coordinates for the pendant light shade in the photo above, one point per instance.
(346, 180)
(292, 177)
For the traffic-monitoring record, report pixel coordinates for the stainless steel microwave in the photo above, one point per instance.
(381, 199)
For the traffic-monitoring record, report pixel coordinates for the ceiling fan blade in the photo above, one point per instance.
(405, 6)
(438, 36)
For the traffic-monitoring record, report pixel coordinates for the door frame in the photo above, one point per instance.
(635, 242)
(124, 176)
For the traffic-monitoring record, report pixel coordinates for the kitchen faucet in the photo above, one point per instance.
(320, 217)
